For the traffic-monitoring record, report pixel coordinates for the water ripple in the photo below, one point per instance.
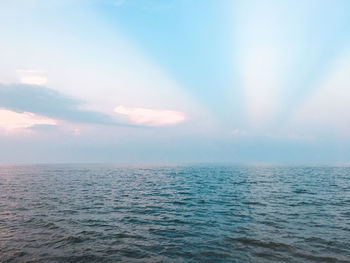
(174, 213)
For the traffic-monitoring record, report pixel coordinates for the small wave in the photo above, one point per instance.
(215, 255)
(51, 225)
(254, 203)
(322, 258)
(300, 191)
(261, 243)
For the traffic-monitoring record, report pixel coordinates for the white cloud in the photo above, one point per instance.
(10, 120)
(151, 117)
(32, 77)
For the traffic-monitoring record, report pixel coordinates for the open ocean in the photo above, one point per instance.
(174, 213)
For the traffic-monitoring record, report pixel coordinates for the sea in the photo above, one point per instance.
(174, 213)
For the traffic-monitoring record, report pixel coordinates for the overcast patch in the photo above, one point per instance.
(44, 101)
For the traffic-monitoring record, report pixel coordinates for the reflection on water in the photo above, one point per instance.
(184, 213)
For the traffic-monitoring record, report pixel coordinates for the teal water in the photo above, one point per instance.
(174, 213)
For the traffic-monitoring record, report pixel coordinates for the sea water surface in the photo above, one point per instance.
(174, 213)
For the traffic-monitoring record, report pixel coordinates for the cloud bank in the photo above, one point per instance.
(44, 101)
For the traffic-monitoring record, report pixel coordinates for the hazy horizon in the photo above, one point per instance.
(126, 81)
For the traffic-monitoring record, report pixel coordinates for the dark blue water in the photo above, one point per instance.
(199, 213)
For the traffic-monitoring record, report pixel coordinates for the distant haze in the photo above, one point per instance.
(175, 81)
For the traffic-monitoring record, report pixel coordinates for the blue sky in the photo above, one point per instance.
(174, 81)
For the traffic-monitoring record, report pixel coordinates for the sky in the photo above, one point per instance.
(256, 81)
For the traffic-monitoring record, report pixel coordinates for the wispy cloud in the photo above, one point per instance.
(151, 117)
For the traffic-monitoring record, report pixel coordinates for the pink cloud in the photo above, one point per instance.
(151, 117)
(11, 120)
